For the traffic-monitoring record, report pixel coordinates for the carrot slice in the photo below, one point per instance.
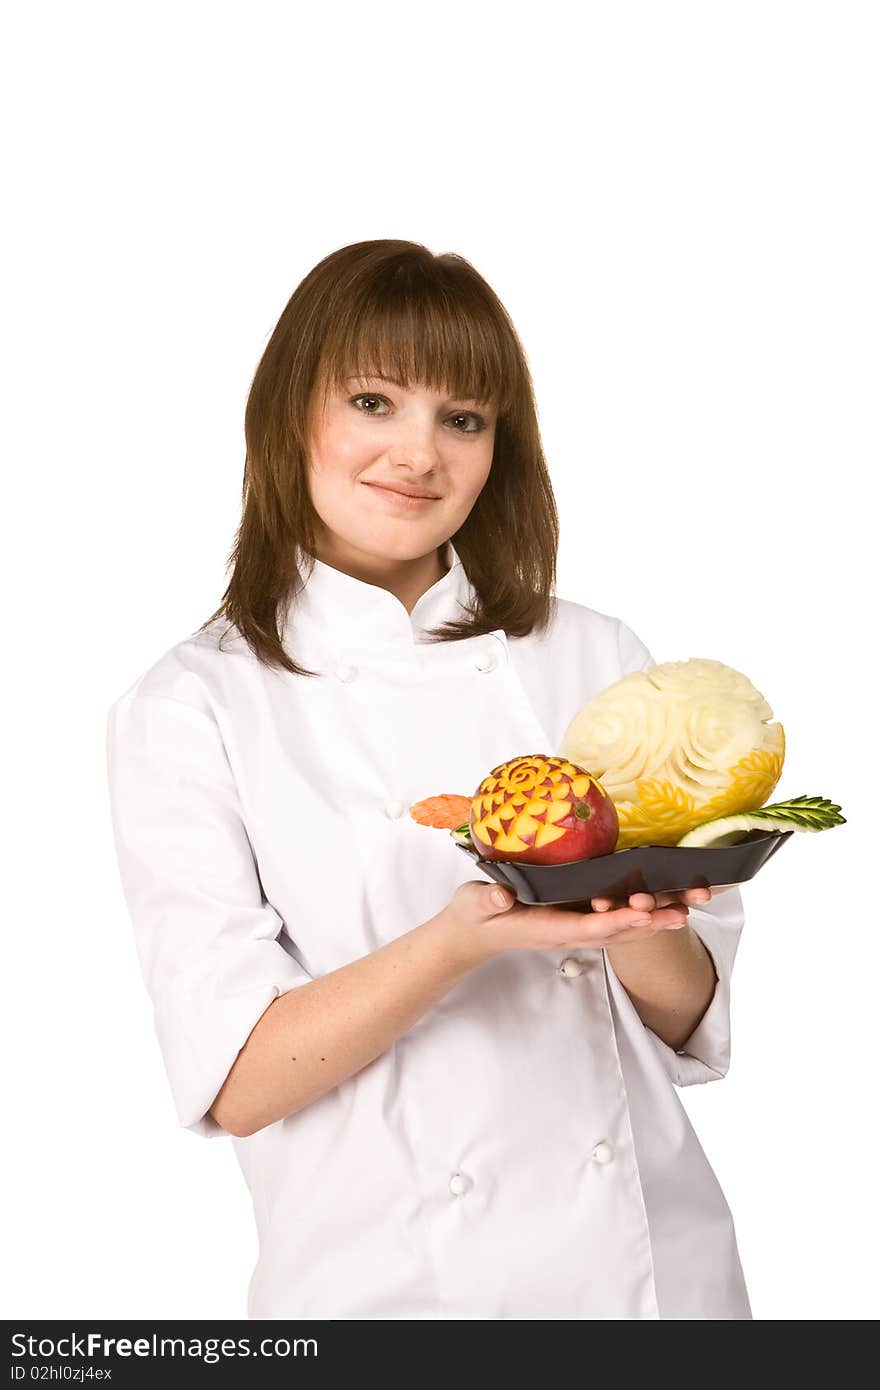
(442, 812)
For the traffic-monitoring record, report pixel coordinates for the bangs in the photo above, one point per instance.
(417, 327)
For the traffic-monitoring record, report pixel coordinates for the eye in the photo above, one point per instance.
(365, 397)
(476, 427)
(480, 423)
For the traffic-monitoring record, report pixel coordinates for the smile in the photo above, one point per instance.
(400, 499)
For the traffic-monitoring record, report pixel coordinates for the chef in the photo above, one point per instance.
(444, 1106)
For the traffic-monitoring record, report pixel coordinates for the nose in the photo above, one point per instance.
(417, 443)
(417, 453)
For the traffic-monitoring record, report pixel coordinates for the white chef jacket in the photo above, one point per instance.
(521, 1152)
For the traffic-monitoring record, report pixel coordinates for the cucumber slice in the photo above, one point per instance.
(462, 835)
(800, 813)
(728, 830)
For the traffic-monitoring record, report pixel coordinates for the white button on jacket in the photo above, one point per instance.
(572, 966)
(465, 1173)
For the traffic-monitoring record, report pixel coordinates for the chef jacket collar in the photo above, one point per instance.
(351, 613)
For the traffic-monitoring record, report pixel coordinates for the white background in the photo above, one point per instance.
(678, 205)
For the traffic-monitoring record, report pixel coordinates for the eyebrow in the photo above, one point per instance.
(392, 381)
(368, 377)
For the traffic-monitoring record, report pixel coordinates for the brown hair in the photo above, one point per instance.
(392, 308)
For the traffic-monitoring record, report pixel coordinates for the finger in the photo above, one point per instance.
(643, 900)
(669, 919)
(697, 895)
(627, 934)
(676, 922)
(693, 897)
(602, 927)
(675, 915)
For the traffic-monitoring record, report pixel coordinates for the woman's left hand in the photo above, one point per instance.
(690, 897)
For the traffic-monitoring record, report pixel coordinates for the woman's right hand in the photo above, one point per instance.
(487, 927)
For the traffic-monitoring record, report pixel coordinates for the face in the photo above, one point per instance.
(376, 436)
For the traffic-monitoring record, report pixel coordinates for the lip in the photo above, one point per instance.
(402, 496)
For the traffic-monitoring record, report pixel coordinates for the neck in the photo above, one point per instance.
(406, 579)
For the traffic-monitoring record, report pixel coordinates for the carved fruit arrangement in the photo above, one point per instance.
(540, 809)
(678, 745)
(679, 754)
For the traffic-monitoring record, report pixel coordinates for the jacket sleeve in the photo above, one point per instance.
(705, 1056)
(207, 940)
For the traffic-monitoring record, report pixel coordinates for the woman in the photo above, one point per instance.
(445, 1104)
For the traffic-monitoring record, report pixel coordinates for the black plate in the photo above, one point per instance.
(643, 869)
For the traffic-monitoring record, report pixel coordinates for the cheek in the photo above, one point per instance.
(335, 448)
(333, 468)
(478, 473)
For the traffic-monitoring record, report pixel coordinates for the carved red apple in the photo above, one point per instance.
(541, 809)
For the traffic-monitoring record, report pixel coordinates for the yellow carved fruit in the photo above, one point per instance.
(677, 745)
